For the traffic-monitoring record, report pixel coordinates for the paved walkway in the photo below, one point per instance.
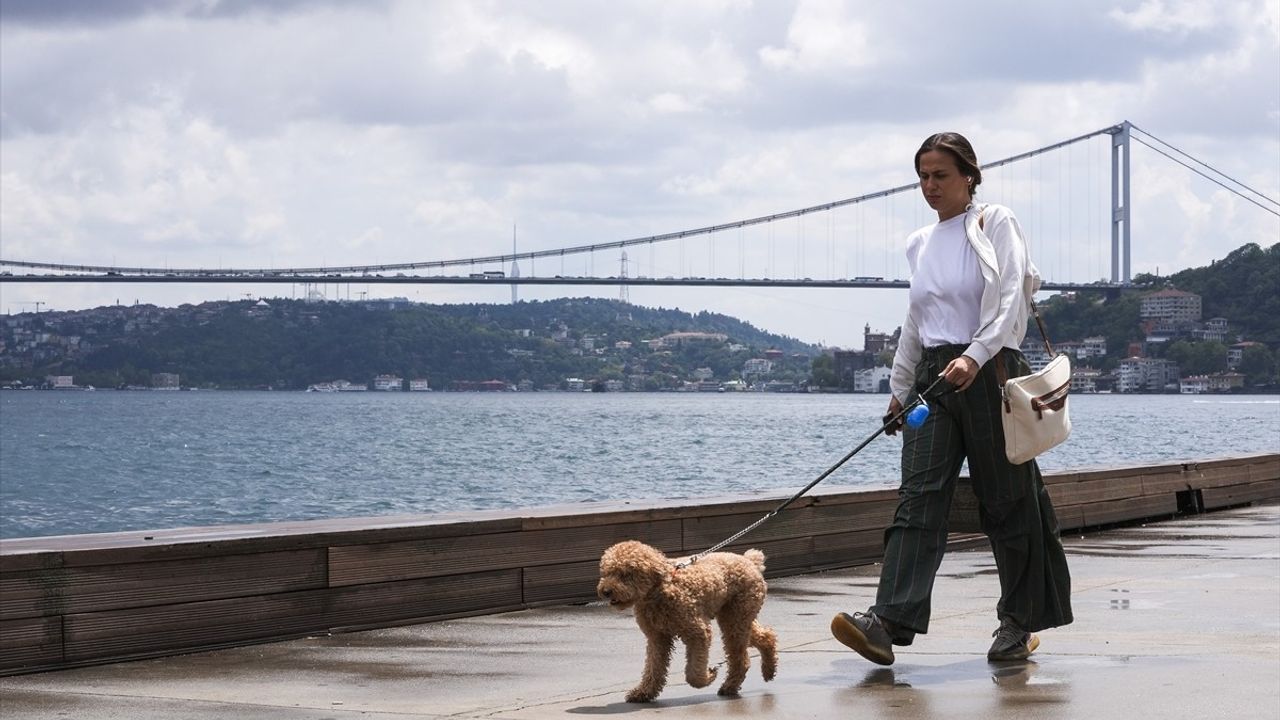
(1179, 619)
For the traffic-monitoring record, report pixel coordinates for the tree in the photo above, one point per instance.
(1198, 358)
(822, 373)
(1258, 365)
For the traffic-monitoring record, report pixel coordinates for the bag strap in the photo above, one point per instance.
(1002, 375)
(1044, 334)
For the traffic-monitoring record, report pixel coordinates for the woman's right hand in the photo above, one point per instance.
(895, 407)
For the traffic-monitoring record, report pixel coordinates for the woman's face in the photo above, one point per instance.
(945, 188)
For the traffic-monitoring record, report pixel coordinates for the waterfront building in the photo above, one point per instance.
(480, 386)
(1084, 380)
(388, 383)
(574, 384)
(61, 382)
(164, 381)
(871, 380)
(419, 385)
(1217, 382)
(1142, 374)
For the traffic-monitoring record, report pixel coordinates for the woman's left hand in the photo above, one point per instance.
(961, 372)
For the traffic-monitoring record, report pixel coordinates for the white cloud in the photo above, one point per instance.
(822, 37)
(344, 133)
(1170, 17)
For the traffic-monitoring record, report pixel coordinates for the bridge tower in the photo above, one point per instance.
(515, 268)
(1120, 216)
(623, 295)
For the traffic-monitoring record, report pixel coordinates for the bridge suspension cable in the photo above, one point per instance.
(1197, 171)
(534, 254)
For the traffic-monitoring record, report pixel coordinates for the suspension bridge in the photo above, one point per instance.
(1078, 221)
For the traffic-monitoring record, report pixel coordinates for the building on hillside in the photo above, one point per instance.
(1033, 350)
(681, 339)
(61, 382)
(1170, 304)
(1235, 353)
(419, 385)
(1094, 346)
(1213, 330)
(756, 367)
(574, 384)
(1087, 349)
(875, 343)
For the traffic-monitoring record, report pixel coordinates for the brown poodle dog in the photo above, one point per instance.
(673, 602)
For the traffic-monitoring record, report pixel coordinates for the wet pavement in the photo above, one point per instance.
(1178, 619)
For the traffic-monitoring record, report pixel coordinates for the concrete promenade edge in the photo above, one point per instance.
(1175, 619)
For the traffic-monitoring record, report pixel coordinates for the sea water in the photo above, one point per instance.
(83, 462)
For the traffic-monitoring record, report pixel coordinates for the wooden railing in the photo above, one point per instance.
(86, 599)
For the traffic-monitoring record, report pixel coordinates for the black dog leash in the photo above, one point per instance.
(889, 421)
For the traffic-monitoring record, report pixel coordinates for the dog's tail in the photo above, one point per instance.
(756, 557)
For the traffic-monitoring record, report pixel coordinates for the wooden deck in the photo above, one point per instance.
(86, 599)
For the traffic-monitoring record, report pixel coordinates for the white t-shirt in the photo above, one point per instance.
(946, 283)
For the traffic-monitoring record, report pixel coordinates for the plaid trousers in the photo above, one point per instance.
(1014, 508)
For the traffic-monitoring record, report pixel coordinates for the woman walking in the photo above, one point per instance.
(971, 285)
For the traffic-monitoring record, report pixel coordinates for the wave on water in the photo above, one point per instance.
(1236, 402)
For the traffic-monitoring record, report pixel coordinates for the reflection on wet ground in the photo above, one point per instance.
(1164, 627)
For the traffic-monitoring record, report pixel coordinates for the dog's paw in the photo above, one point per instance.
(705, 680)
(726, 691)
(641, 695)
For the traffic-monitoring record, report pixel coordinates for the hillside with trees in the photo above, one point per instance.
(1243, 288)
(290, 344)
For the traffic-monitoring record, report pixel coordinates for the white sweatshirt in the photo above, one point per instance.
(1009, 281)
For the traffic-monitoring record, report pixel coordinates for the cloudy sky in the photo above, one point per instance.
(225, 133)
